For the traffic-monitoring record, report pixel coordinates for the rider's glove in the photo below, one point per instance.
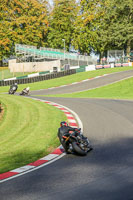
(66, 134)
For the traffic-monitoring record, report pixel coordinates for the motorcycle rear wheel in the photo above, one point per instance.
(11, 91)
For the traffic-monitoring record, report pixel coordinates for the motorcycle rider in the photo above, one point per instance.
(64, 130)
(25, 91)
(14, 87)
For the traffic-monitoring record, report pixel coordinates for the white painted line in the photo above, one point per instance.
(74, 83)
(72, 121)
(51, 88)
(97, 76)
(33, 169)
(50, 157)
(40, 100)
(62, 85)
(59, 106)
(85, 80)
(65, 110)
(22, 169)
(50, 103)
(62, 109)
(69, 115)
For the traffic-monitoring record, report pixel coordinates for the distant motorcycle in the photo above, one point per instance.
(25, 91)
(13, 89)
(78, 143)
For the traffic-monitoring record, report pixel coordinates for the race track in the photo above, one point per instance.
(104, 174)
(89, 84)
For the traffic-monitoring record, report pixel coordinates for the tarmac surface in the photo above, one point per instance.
(88, 84)
(106, 173)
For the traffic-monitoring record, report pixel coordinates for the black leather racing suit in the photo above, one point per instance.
(64, 130)
(14, 86)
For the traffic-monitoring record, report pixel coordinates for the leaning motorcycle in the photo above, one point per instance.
(25, 91)
(77, 142)
(12, 90)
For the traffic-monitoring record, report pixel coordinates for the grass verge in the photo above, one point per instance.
(28, 128)
(5, 73)
(67, 80)
(28, 131)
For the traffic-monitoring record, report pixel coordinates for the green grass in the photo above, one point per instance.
(120, 90)
(67, 79)
(28, 131)
(5, 73)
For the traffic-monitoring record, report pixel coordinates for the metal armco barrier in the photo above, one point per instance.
(38, 78)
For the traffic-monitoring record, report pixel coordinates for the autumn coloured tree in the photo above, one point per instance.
(62, 23)
(22, 21)
(88, 25)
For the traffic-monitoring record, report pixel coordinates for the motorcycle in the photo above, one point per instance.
(12, 90)
(77, 143)
(25, 91)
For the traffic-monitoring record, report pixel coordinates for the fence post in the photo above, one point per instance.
(23, 68)
(2, 74)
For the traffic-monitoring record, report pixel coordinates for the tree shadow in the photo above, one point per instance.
(104, 174)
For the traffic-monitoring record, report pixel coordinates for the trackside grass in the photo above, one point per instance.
(5, 73)
(67, 79)
(28, 131)
(28, 128)
(120, 90)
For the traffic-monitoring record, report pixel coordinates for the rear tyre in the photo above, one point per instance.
(11, 91)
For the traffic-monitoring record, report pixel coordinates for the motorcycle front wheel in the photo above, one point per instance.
(78, 149)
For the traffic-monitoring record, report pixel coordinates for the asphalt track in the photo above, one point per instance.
(89, 84)
(106, 173)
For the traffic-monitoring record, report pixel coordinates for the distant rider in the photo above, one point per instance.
(14, 87)
(26, 90)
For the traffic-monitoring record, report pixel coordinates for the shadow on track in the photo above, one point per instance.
(105, 173)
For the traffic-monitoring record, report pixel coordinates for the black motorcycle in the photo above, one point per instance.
(12, 90)
(77, 143)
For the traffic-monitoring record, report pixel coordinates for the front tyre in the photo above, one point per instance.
(77, 149)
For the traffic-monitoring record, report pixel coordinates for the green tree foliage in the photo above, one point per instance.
(22, 21)
(85, 34)
(117, 26)
(91, 24)
(103, 25)
(62, 23)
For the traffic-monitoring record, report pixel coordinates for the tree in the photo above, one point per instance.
(118, 19)
(104, 24)
(86, 24)
(5, 43)
(24, 22)
(61, 23)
